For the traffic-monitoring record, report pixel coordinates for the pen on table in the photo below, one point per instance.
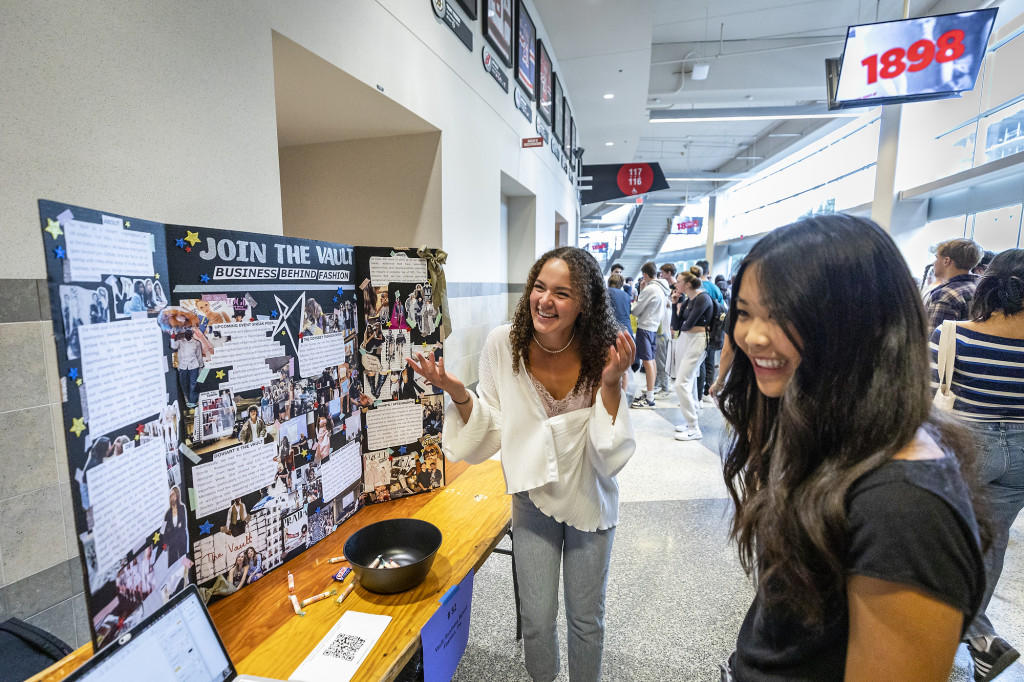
(346, 592)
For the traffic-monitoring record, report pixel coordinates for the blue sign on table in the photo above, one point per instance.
(445, 635)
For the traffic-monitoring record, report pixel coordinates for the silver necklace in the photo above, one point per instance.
(554, 352)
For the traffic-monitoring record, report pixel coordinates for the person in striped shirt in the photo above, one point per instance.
(988, 382)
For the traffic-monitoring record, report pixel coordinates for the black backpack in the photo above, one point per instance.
(716, 329)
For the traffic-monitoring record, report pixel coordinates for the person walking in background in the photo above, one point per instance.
(666, 277)
(979, 270)
(620, 302)
(988, 382)
(648, 311)
(693, 330)
(951, 298)
(851, 512)
(706, 377)
(723, 286)
(550, 400)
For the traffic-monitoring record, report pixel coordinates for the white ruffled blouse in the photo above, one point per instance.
(567, 463)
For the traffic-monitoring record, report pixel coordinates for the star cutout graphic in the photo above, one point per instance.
(318, 510)
(77, 426)
(156, 538)
(188, 249)
(53, 227)
(138, 436)
(273, 314)
(402, 450)
(309, 456)
(180, 243)
(156, 275)
(140, 428)
(59, 252)
(300, 335)
(73, 373)
(192, 237)
(340, 291)
(205, 528)
(316, 406)
(220, 374)
(336, 299)
(303, 452)
(204, 278)
(79, 382)
(127, 223)
(284, 311)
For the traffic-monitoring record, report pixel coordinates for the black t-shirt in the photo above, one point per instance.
(910, 522)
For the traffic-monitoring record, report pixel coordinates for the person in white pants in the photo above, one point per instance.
(694, 328)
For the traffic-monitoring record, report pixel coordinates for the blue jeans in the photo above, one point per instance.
(1001, 470)
(187, 382)
(539, 544)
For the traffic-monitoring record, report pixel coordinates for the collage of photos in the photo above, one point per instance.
(252, 449)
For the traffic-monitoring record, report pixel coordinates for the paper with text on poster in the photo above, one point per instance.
(95, 250)
(342, 469)
(123, 370)
(340, 653)
(384, 270)
(446, 634)
(393, 423)
(129, 497)
(319, 351)
(233, 473)
(245, 347)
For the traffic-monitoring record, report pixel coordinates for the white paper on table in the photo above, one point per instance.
(340, 653)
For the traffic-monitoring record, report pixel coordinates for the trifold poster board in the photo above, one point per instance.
(230, 398)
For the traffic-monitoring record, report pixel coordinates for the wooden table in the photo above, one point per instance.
(263, 635)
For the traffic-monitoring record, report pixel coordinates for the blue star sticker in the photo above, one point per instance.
(273, 313)
(340, 291)
(318, 510)
(180, 243)
(309, 456)
(59, 252)
(402, 450)
(205, 528)
(73, 373)
(205, 279)
(336, 299)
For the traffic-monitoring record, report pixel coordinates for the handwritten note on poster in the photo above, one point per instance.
(320, 351)
(95, 250)
(397, 269)
(231, 474)
(394, 423)
(129, 498)
(342, 470)
(123, 368)
(245, 348)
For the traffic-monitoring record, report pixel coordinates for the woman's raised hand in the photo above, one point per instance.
(433, 372)
(620, 357)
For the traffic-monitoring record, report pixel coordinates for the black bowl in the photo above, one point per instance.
(409, 542)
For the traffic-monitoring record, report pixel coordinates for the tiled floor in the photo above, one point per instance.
(676, 592)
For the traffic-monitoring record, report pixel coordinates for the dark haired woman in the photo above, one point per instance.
(988, 381)
(850, 506)
(550, 399)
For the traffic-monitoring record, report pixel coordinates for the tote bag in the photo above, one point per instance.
(944, 397)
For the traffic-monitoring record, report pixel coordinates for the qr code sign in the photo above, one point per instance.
(345, 647)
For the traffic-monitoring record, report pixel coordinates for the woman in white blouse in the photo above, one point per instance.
(550, 399)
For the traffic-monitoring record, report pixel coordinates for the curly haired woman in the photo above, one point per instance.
(550, 399)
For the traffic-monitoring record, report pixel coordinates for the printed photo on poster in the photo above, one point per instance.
(136, 296)
(81, 306)
(215, 417)
(497, 27)
(556, 109)
(526, 50)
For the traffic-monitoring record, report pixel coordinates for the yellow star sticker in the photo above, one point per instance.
(127, 223)
(156, 275)
(220, 374)
(138, 437)
(304, 452)
(156, 537)
(192, 237)
(53, 227)
(77, 426)
(78, 382)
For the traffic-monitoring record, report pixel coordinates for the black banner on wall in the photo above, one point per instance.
(614, 181)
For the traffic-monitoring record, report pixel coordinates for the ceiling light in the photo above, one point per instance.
(700, 71)
(748, 114)
(749, 158)
(609, 96)
(785, 134)
(710, 177)
(608, 144)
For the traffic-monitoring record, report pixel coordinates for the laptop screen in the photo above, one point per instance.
(179, 643)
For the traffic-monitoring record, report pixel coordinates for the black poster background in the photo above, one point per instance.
(259, 292)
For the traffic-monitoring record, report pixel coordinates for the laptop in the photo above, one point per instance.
(178, 643)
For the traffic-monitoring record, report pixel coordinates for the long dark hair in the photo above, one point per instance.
(596, 327)
(1001, 288)
(841, 291)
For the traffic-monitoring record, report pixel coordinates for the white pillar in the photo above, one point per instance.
(885, 169)
(709, 232)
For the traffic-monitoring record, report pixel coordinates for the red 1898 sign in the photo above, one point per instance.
(917, 57)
